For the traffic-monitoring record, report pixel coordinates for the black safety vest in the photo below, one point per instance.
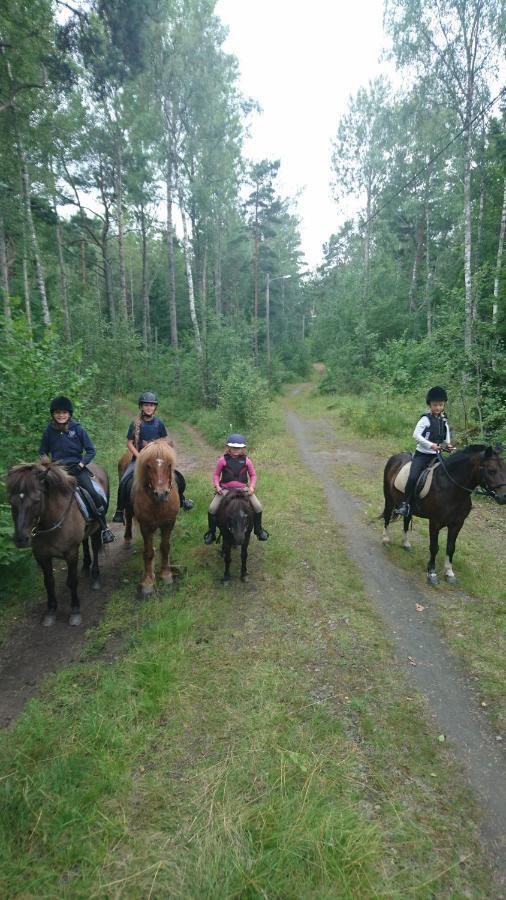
(234, 470)
(436, 431)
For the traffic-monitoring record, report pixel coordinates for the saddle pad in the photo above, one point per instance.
(403, 474)
(99, 490)
(83, 509)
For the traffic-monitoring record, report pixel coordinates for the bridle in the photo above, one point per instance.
(483, 484)
(36, 530)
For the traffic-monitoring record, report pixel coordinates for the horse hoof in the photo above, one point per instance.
(95, 585)
(147, 590)
(226, 579)
(385, 540)
(432, 578)
(244, 578)
(167, 579)
(75, 619)
(451, 579)
(406, 547)
(49, 619)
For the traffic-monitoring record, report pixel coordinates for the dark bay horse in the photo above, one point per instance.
(448, 502)
(235, 521)
(155, 505)
(47, 518)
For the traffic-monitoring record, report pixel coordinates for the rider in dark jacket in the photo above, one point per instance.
(143, 429)
(68, 443)
(431, 432)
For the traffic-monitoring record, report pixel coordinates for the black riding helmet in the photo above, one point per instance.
(148, 397)
(61, 403)
(436, 393)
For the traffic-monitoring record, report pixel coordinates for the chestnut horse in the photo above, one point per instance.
(155, 505)
(235, 521)
(47, 518)
(448, 503)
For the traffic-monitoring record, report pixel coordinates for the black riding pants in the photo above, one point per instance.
(85, 480)
(419, 462)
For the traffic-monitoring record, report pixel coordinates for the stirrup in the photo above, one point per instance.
(186, 503)
(262, 535)
(107, 536)
(403, 510)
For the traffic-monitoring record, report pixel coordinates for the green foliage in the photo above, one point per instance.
(244, 398)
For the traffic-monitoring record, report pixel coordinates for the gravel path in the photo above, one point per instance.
(422, 653)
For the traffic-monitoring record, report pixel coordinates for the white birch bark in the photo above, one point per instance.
(4, 274)
(498, 265)
(39, 271)
(189, 274)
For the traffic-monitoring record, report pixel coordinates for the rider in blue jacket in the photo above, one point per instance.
(68, 443)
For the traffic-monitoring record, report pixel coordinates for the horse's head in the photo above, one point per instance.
(493, 474)
(236, 516)
(154, 469)
(27, 487)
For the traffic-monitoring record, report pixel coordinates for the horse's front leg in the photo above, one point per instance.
(227, 556)
(386, 516)
(72, 560)
(453, 532)
(148, 580)
(96, 544)
(434, 547)
(244, 560)
(165, 572)
(47, 570)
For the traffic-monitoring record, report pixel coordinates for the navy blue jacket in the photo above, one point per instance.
(149, 431)
(67, 446)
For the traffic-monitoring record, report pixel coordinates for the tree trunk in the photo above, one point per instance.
(63, 275)
(428, 276)
(218, 298)
(41, 286)
(498, 265)
(468, 281)
(146, 319)
(416, 265)
(477, 254)
(26, 293)
(171, 270)
(121, 238)
(84, 277)
(4, 274)
(189, 274)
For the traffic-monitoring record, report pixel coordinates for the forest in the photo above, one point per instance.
(332, 727)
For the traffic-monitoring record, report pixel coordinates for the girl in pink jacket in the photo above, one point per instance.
(235, 471)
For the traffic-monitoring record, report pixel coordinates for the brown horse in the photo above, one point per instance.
(235, 521)
(47, 518)
(448, 503)
(155, 505)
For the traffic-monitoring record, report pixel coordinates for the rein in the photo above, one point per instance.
(36, 530)
(483, 481)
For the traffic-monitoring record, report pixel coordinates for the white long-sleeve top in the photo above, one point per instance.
(422, 444)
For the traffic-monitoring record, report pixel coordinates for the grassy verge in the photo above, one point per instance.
(471, 616)
(249, 741)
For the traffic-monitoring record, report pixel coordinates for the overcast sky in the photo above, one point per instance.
(301, 61)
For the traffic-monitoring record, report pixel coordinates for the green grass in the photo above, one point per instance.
(250, 741)
(471, 615)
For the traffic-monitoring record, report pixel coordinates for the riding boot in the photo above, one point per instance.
(210, 536)
(260, 532)
(185, 503)
(119, 516)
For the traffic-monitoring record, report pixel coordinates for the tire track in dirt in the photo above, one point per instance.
(422, 654)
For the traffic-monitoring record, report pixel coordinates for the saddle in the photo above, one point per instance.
(423, 485)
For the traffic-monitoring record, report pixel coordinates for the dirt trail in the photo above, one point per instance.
(30, 652)
(421, 652)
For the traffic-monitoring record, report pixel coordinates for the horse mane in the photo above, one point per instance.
(460, 456)
(27, 476)
(159, 449)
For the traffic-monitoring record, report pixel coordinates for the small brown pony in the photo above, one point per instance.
(155, 505)
(235, 521)
(47, 518)
(448, 503)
